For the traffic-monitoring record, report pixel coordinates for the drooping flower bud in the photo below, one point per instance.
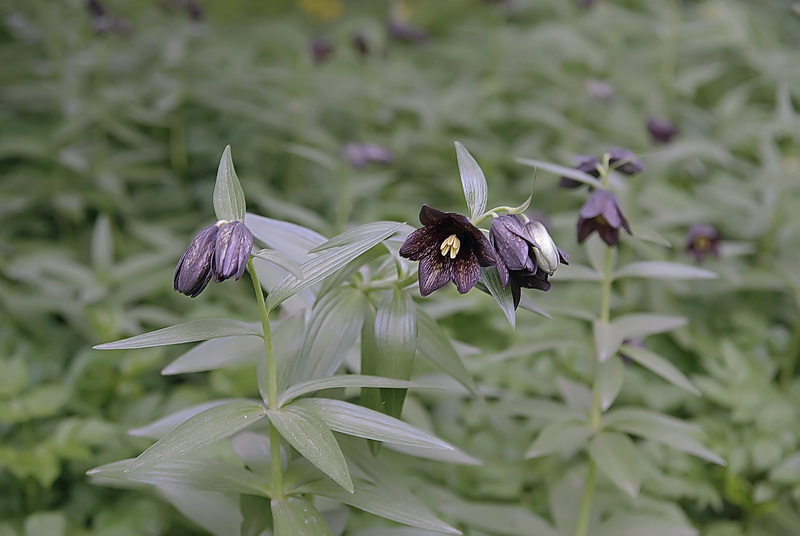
(547, 254)
(194, 267)
(701, 241)
(661, 130)
(586, 163)
(233, 245)
(624, 161)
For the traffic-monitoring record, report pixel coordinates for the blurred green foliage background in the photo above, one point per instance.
(112, 124)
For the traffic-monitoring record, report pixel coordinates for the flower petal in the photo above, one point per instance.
(466, 272)
(435, 271)
(421, 242)
(431, 216)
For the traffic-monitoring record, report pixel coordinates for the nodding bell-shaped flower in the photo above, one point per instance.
(586, 163)
(448, 248)
(601, 213)
(661, 130)
(220, 251)
(701, 241)
(232, 250)
(625, 161)
(194, 267)
(526, 255)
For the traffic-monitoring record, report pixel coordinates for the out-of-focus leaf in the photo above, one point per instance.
(218, 513)
(197, 330)
(434, 344)
(577, 272)
(200, 430)
(228, 195)
(281, 260)
(473, 181)
(629, 524)
(661, 428)
(637, 325)
(347, 418)
(362, 232)
(375, 499)
(289, 238)
(309, 435)
(297, 517)
(617, 458)
(607, 340)
(49, 523)
(216, 354)
(663, 270)
(561, 171)
(102, 245)
(576, 395)
(608, 382)
(327, 263)
(511, 520)
(563, 437)
(658, 365)
(491, 279)
(164, 425)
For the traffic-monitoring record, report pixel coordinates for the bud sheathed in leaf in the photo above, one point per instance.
(448, 248)
(526, 254)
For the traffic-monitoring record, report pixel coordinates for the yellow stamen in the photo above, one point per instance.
(450, 246)
(702, 243)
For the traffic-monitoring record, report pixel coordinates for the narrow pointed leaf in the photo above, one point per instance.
(610, 375)
(472, 181)
(491, 279)
(362, 232)
(563, 437)
(290, 239)
(161, 427)
(637, 325)
(228, 195)
(347, 418)
(200, 430)
(297, 517)
(617, 458)
(281, 260)
(561, 171)
(309, 436)
(215, 354)
(327, 263)
(661, 366)
(350, 380)
(197, 330)
(663, 270)
(433, 343)
(607, 340)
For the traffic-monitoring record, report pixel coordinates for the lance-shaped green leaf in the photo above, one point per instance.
(350, 380)
(309, 435)
(383, 502)
(661, 366)
(297, 517)
(203, 429)
(625, 523)
(362, 232)
(197, 330)
(228, 195)
(389, 352)
(608, 382)
(281, 260)
(473, 182)
(563, 437)
(197, 473)
(617, 458)
(327, 263)
(663, 270)
(289, 238)
(161, 427)
(491, 280)
(637, 325)
(433, 343)
(216, 354)
(607, 340)
(347, 418)
(660, 428)
(561, 171)
(505, 519)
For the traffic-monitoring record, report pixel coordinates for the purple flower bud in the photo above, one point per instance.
(360, 154)
(586, 163)
(624, 161)
(233, 246)
(194, 267)
(361, 45)
(661, 130)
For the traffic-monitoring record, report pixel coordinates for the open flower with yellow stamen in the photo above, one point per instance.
(448, 248)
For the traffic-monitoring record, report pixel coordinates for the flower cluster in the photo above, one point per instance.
(621, 160)
(220, 251)
(450, 248)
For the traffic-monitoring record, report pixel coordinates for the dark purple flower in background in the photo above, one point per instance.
(321, 50)
(361, 45)
(586, 163)
(661, 130)
(448, 248)
(701, 241)
(103, 23)
(400, 30)
(194, 267)
(624, 161)
(360, 154)
(601, 213)
(220, 251)
(526, 255)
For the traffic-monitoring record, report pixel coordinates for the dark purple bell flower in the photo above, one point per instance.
(701, 241)
(661, 130)
(359, 155)
(402, 31)
(194, 267)
(601, 213)
(361, 45)
(624, 161)
(448, 248)
(586, 163)
(232, 250)
(321, 50)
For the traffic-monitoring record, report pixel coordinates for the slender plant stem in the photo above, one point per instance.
(582, 527)
(276, 461)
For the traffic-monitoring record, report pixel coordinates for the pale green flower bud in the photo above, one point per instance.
(546, 254)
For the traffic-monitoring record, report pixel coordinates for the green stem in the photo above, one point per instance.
(276, 461)
(582, 527)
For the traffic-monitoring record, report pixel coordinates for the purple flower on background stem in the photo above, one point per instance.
(220, 251)
(701, 241)
(526, 255)
(601, 213)
(586, 163)
(103, 23)
(448, 248)
(400, 30)
(361, 45)
(321, 50)
(360, 154)
(624, 161)
(661, 130)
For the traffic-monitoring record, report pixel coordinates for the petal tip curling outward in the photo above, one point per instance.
(435, 271)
